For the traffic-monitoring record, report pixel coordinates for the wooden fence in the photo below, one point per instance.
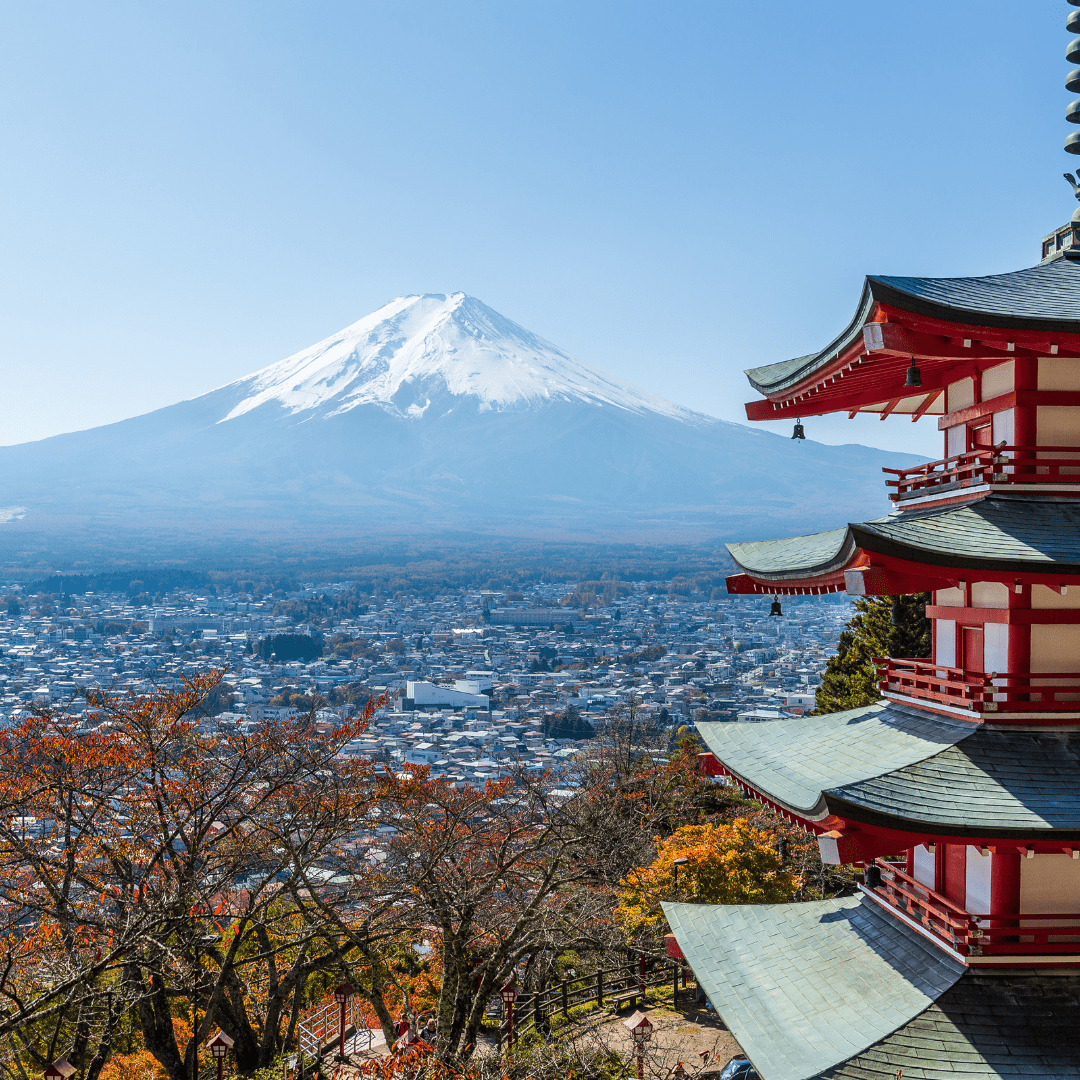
(621, 984)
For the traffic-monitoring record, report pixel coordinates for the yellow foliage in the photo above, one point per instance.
(727, 864)
(142, 1065)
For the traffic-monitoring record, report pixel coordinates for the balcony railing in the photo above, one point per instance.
(978, 691)
(973, 934)
(1029, 465)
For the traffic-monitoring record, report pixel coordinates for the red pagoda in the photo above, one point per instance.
(959, 793)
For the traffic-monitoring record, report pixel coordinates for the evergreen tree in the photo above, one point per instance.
(883, 626)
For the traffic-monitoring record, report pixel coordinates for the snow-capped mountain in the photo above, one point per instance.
(417, 350)
(432, 413)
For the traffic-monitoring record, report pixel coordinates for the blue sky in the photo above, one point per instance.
(673, 191)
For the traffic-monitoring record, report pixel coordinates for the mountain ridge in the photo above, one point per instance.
(415, 341)
(434, 413)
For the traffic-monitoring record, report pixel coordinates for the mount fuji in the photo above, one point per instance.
(435, 413)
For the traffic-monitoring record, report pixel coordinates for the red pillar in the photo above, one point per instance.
(1004, 885)
(1019, 636)
(1025, 417)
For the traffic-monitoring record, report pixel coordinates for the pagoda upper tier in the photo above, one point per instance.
(998, 537)
(950, 328)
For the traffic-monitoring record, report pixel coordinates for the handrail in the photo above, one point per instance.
(979, 691)
(596, 986)
(976, 934)
(323, 1025)
(1001, 464)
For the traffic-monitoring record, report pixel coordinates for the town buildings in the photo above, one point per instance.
(475, 681)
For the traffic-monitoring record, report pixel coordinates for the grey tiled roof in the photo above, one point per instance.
(905, 768)
(998, 780)
(794, 761)
(1048, 294)
(805, 987)
(1002, 532)
(986, 1026)
(1012, 533)
(820, 552)
(1044, 297)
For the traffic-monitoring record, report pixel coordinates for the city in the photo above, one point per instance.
(477, 683)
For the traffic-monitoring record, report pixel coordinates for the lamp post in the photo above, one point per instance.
(509, 995)
(676, 863)
(220, 1045)
(342, 995)
(675, 866)
(641, 1030)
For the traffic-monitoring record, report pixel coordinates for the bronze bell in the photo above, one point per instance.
(798, 433)
(914, 378)
(775, 609)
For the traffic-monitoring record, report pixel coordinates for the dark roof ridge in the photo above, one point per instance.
(1045, 297)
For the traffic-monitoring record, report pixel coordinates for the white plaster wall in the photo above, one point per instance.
(961, 394)
(1058, 425)
(995, 647)
(1054, 648)
(977, 900)
(1059, 373)
(998, 380)
(1049, 884)
(956, 440)
(1042, 597)
(1004, 428)
(924, 867)
(949, 597)
(989, 594)
(945, 643)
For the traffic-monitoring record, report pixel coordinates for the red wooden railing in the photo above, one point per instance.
(990, 465)
(977, 691)
(973, 934)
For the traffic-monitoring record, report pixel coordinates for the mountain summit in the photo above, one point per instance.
(420, 351)
(432, 413)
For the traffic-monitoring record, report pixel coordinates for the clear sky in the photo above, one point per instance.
(673, 190)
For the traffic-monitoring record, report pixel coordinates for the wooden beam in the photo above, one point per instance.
(928, 401)
(1012, 400)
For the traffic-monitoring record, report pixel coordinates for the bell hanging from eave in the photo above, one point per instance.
(775, 608)
(798, 433)
(914, 377)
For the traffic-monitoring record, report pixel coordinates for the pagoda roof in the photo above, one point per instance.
(1043, 298)
(805, 987)
(986, 1026)
(904, 769)
(997, 533)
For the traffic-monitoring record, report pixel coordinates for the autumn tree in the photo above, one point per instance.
(726, 864)
(144, 878)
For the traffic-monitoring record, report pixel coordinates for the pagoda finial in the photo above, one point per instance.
(1072, 84)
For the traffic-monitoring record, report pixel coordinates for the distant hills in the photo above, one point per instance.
(434, 413)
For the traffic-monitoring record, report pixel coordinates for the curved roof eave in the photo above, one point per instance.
(770, 378)
(1043, 298)
(795, 557)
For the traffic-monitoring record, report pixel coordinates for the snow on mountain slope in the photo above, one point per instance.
(417, 349)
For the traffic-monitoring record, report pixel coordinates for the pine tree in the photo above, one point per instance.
(883, 626)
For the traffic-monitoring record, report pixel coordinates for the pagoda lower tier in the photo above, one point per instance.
(836, 989)
(959, 794)
(969, 832)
